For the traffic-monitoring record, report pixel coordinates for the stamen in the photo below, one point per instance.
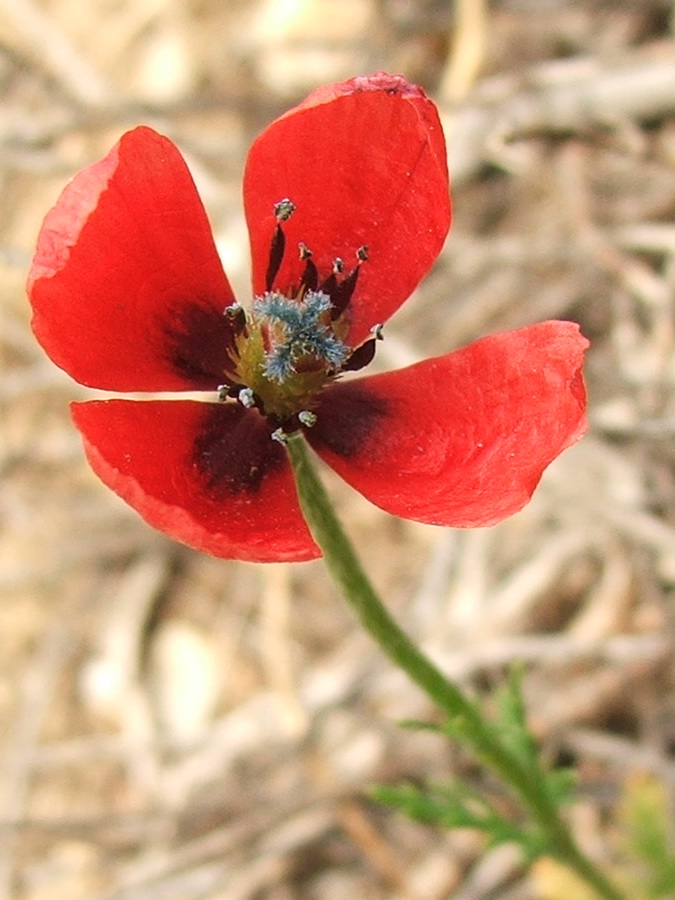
(310, 277)
(284, 209)
(328, 285)
(277, 248)
(307, 418)
(343, 291)
(364, 354)
(237, 315)
(246, 397)
(361, 357)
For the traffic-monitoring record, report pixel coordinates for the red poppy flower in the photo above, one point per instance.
(347, 204)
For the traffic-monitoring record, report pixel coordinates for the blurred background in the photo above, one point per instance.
(179, 727)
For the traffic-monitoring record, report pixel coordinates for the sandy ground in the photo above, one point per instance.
(180, 728)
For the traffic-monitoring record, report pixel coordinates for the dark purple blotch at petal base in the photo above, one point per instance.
(198, 338)
(208, 474)
(346, 415)
(234, 450)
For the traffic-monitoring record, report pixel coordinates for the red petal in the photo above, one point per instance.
(208, 475)
(126, 285)
(463, 439)
(365, 163)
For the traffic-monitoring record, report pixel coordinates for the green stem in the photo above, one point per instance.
(346, 570)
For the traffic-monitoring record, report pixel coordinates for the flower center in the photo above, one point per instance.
(290, 343)
(286, 352)
(298, 331)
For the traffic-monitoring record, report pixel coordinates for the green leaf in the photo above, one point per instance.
(645, 818)
(455, 805)
(511, 721)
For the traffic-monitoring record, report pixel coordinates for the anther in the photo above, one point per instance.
(362, 253)
(377, 332)
(307, 418)
(304, 250)
(246, 397)
(338, 266)
(237, 316)
(284, 209)
(280, 436)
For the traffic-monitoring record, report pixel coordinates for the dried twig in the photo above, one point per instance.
(53, 50)
(569, 97)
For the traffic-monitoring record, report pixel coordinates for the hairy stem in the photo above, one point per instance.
(347, 572)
